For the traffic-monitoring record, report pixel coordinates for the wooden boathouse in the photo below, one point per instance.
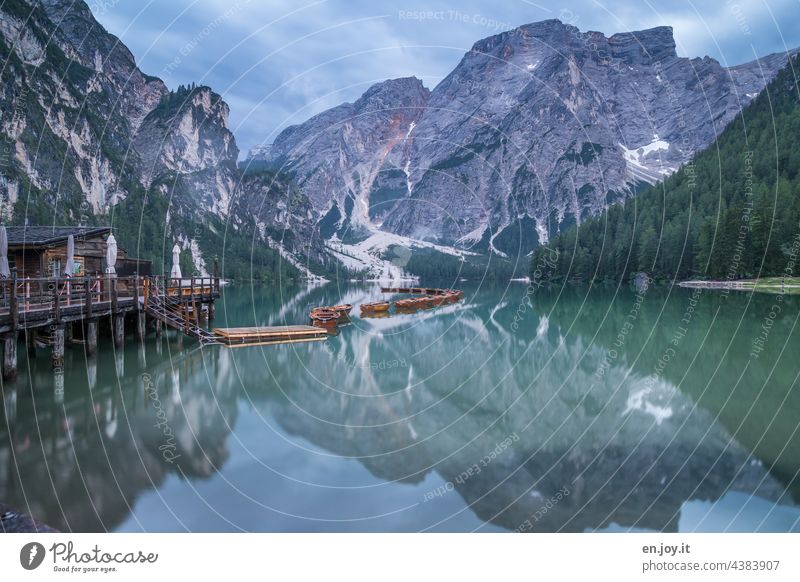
(40, 302)
(41, 251)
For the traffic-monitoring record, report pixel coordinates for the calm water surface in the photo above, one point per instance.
(578, 410)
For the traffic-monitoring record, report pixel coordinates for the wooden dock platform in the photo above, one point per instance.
(56, 307)
(238, 336)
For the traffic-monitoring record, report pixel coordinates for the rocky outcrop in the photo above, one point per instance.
(88, 43)
(187, 132)
(88, 137)
(535, 128)
(342, 158)
(71, 96)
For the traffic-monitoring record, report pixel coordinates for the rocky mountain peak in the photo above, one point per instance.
(358, 139)
(547, 32)
(84, 40)
(554, 36)
(535, 129)
(186, 132)
(644, 46)
(405, 91)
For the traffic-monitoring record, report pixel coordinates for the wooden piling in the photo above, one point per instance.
(91, 337)
(112, 284)
(58, 347)
(49, 304)
(118, 329)
(14, 305)
(30, 342)
(10, 356)
(141, 321)
(56, 303)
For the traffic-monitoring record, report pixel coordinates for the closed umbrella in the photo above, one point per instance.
(69, 267)
(175, 273)
(111, 255)
(4, 270)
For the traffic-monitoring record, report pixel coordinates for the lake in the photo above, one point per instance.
(562, 409)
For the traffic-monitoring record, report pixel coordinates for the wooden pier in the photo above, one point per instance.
(56, 307)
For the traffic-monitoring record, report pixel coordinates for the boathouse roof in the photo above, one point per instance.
(51, 235)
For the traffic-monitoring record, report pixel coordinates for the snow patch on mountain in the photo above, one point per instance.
(647, 162)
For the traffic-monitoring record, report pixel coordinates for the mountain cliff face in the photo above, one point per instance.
(186, 132)
(88, 137)
(71, 96)
(535, 129)
(348, 158)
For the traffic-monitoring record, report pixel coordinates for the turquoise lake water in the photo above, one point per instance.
(566, 409)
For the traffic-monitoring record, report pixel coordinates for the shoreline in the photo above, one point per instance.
(774, 285)
(14, 521)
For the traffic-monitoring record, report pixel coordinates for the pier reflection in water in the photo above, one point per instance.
(447, 419)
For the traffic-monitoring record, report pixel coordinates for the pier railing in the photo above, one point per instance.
(31, 295)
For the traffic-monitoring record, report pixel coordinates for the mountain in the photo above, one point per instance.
(732, 212)
(89, 138)
(535, 130)
(69, 108)
(344, 152)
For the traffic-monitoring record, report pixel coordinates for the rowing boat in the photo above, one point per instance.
(323, 315)
(378, 306)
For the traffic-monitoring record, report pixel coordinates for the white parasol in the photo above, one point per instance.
(175, 273)
(111, 255)
(69, 266)
(4, 270)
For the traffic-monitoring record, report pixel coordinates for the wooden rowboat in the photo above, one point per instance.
(438, 300)
(344, 308)
(378, 306)
(425, 302)
(320, 315)
(407, 304)
(450, 297)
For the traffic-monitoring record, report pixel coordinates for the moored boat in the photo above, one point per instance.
(407, 304)
(376, 307)
(324, 315)
(451, 296)
(344, 308)
(437, 300)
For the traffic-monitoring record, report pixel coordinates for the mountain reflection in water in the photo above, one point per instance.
(448, 419)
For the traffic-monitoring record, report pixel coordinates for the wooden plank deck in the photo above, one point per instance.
(273, 334)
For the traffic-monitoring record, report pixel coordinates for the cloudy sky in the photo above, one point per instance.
(277, 62)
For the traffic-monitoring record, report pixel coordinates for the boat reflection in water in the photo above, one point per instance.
(456, 418)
